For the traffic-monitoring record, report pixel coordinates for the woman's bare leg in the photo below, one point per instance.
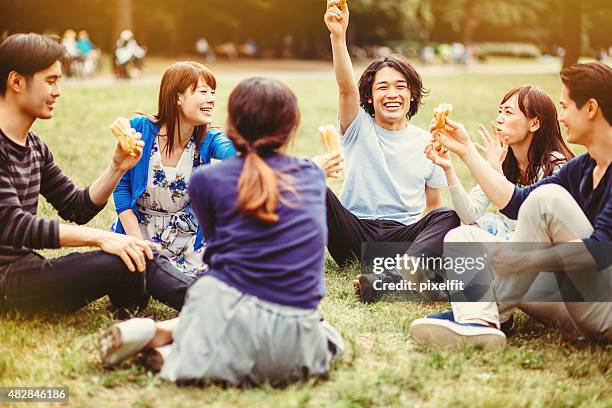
(163, 333)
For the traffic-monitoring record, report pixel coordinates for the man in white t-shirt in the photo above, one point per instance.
(389, 183)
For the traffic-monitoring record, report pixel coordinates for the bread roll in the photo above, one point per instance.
(124, 136)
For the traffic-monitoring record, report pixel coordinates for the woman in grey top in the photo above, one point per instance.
(526, 146)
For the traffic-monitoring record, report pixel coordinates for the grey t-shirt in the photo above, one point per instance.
(386, 171)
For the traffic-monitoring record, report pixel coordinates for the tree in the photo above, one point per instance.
(465, 17)
(571, 21)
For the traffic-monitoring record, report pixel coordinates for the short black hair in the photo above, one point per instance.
(590, 80)
(27, 54)
(415, 84)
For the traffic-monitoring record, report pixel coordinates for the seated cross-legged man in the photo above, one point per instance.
(570, 212)
(30, 73)
(389, 183)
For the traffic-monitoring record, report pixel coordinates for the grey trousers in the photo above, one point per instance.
(550, 214)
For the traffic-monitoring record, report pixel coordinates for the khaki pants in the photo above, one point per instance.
(550, 214)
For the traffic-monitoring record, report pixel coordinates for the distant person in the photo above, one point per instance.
(70, 44)
(287, 43)
(129, 56)
(457, 51)
(391, 191)
(428, 55)
(88, 53)
(227, 49)
(444, 50)
(72, 56)
(203, 48)
(249, 49)
(253, 318)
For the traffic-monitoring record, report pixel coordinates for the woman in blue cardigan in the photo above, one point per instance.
(151, 200)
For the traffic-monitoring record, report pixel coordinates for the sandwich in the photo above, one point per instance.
(331, 142)
(330, 138)
(127, 142)
(440, 115)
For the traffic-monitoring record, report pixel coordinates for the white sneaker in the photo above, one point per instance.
(125, 339)
(444, 333)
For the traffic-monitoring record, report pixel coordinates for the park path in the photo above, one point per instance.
(294, 69)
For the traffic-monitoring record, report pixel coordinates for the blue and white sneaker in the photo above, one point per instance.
(441, 330)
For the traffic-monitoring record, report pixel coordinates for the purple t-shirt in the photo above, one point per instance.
(281, 262)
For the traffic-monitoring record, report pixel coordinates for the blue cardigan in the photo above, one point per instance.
(133, 183)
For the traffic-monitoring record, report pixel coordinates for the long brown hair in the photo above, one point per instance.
(262, 117)
(179, 77)
(535, 103)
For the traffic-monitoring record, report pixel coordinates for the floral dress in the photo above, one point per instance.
(165, 211)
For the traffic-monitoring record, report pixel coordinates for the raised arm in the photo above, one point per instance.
(337, 22)
(457, 140)
(470, 206)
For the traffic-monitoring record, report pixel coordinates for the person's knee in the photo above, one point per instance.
(445, 217)
(548, 195)
(464, 233)
(329, 195)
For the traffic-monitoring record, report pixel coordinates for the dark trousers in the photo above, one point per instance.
(347, 232)
(67, 283)
(166, 283)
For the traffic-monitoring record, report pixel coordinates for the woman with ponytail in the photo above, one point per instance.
(252, 319)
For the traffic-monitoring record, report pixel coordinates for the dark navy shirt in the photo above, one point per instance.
(280, 262)
(577, 178)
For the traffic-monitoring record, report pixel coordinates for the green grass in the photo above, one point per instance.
(382, 367)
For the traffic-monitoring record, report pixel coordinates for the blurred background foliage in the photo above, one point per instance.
(172, 26)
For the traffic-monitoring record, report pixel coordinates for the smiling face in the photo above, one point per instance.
(390, 98)
(512, 123)
(576, 121)
(196, 105)
(40, 91)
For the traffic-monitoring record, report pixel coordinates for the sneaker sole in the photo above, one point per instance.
(110, 341)
(117, 345)
(445, 334)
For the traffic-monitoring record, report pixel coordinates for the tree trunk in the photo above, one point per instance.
(123, 18)
(469, 22)
(571, 27)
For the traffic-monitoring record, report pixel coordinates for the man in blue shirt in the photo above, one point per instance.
(571, 210)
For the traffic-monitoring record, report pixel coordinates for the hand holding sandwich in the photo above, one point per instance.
(454, 137)
(337, 17)
(129, 145)
(330, 163)
(439, 157)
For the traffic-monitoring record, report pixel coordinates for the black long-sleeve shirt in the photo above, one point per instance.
(26, 172)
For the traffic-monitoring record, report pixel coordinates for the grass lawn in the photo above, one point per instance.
(382, 367)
